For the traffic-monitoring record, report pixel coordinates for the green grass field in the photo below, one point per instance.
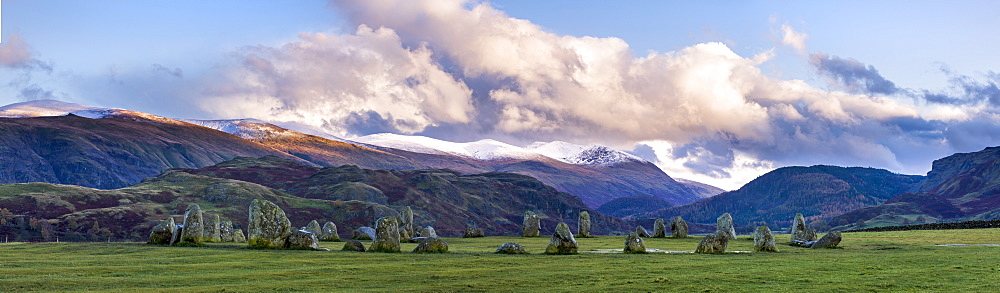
(883, 261)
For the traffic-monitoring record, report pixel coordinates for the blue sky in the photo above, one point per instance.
(716, 91)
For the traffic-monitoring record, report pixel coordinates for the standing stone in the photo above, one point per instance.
(639, 230)
(431, 245)
(634, 244)
(329, 232)
(268, 225)
(407, 218)
(403, 234)
(354, 245)
(178, 230)
(226, 231)
(302, 239)
(510, 248)
(212, 229)
(473, 232)
(194, 225)
(386, 235)
(713, 243)
(532, 225)
(562, 241)
(659, 229)
(363, 233)
(801, 234)
(763, 240)
(584, 225)
(679, 227)
(238, 236)
(725, 224)
(313, 227)
(830, 240)
(428, 232)
(163, 232)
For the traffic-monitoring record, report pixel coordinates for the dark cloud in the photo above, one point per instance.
(645, 152)
(369, 122)
(852, 75)
(966, 90)
(176, 72)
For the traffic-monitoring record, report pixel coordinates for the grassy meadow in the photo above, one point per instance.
(877, 261)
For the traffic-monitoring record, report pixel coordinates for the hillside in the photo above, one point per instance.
(631, 205)
(818, 192)
(960, 187)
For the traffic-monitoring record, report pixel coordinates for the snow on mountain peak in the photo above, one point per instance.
(251, 129)
(40, 108)
(582, 155)
(486, 149)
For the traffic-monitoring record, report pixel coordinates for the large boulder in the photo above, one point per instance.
(328, 232)
(659, 229)
(407, 223)
(725, 224)
(641, 232)
(830, 240)
(634, 244)
(763, 240)
(302, 239)
(532, 225)
(363, 233)
(562, 241)
(428, 232)
(268, 225)
(713, 243)
(799, 232)
(194, 225)
(226, 231)
(386, 235)
(163, 232)
(472, 232)
(679, 227)
(431, 245)
(313, 227)
(238, 236)
(213, 232)
(510, 248)
(353, 245)
(584, 224)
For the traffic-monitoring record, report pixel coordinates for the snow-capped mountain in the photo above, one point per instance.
(489, 149)
(251, 129)
(486, 149)
(41, 108)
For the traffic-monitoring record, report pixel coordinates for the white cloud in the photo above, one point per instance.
(794, 39)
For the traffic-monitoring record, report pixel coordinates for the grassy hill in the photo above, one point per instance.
(883, 261)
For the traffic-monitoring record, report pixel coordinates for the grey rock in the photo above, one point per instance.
(679, 227)
(659, 229)
(329, 232)
(763, 240)
(472, 232)
(302, 239)
(268, 225)
(562, 241)
(799, 232)
(830, 240)
(713, 243)
(532, 225)
(407, 217)
(353, 245)
(510, 248)
(386, 235)
(363, 233)
(428, 232)
(226, 231)
(238, 236)
(634, 244)
(584, 224)
(194, 225)
(639, 230)
(178, 230)
(163, 232)
(431, 245)
(725, 224)
(213, 231)
(313, 227)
